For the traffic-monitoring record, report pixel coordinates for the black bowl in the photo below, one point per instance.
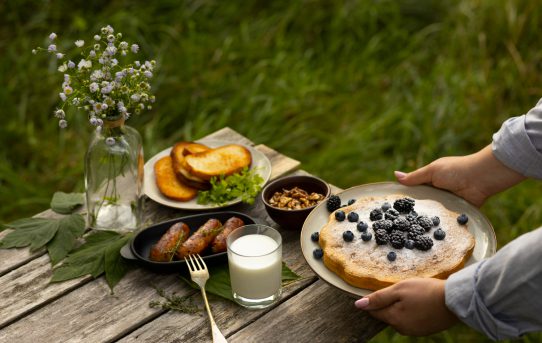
(140, 246)
(293, 219)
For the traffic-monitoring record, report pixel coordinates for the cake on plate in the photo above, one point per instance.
(377, 241)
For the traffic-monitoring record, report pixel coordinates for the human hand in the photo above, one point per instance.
(413, 307)
(473, 177)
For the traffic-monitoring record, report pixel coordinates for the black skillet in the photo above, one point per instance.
(140, 246)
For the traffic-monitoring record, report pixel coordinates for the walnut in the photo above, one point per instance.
(295, 199)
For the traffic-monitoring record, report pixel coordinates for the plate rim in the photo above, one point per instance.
(360, 292)
(190, 205)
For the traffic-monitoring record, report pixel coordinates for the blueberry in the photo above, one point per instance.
(366, 236)
(340, 216)
(315, 236)
(348, 236)
(362, 226)
(351, 201)
(439, 234)
(409, 244)
(385, 206)
(392, 256)
(436, 220)
(317, 253)
(353, 217)
(462, 219)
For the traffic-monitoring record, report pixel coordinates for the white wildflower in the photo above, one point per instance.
(63, 68)
(71, 65)
(62, 96)
(62, 123)
(123, 45)
(97, 37)
(135, 97)
(68, 90)
(34, 51)
(76, 101)
(135, 48)
(79, 43)
(137, 64)
(60, 114)
(84, 64)
(110, 141)
(148, 74)
(114, 62)
(51, 48)
(92, 53)
(110, 38)
(59, 55)
(93, 121)
(93, 87)
(111, 50)
(52, 36)
(96, 75)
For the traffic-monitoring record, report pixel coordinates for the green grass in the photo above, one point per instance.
(352, 89)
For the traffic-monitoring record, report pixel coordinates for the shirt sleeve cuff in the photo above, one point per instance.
(513, 147)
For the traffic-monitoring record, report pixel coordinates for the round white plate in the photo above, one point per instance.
(259, 162)
(479, 225)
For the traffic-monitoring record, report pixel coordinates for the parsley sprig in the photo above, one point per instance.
(246, 185)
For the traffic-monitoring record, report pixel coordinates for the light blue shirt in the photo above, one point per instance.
(502, 296)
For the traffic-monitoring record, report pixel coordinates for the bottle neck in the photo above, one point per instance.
(113, 127)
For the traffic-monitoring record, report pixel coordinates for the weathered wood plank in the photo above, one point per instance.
(92, 314)
(319, 313)
(27, 288)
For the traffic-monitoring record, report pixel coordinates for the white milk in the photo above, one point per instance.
(254, 276)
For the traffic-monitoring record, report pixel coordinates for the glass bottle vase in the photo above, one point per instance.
(114, 178)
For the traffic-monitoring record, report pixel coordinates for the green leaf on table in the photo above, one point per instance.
(70, 228)
(115, 265)
(100, 253)
(66, 203)
(37, 232)
(219, 282)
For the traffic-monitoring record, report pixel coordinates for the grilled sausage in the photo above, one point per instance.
(165, 248)
(200, 239)
(219, 243)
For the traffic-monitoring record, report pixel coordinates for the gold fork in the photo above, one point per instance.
(199, 274)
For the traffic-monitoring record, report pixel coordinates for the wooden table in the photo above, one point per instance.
(84, 310)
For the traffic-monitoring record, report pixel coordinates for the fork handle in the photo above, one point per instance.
(218, 337)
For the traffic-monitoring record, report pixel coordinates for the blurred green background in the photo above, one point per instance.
(352, 89)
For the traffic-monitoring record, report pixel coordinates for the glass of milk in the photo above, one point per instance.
(255, 261)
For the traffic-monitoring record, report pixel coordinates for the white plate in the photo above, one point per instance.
(259, 162)
(479, 225)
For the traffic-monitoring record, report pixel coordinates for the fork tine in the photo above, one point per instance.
(189, 263)
(200, 262)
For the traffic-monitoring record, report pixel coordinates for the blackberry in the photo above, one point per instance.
(348, 236)
(411, 218)
(436, 220)
(397, 239)
(404, 205)
(439, 234)
(381, 237)
(414, 213)
(376, 214)
(340, 216)
(392, 256)
(401, 224)
(366, 236)
(423, 243)
(391, 214)
(425, 222)
(315, 236)
(462, 219)
(333, 203)
(415, 231)
(385, 206)
(362, 226)
(351, 201)
(353, 217)
(317, 253)
(383, 224)
(409, 244)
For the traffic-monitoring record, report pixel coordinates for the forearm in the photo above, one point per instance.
(500, 296)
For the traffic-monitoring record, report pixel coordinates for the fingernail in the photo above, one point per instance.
(399, 175)
(362, 303)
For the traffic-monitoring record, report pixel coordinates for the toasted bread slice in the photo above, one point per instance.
(178, 153)
(168, 184)
(225, 160)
